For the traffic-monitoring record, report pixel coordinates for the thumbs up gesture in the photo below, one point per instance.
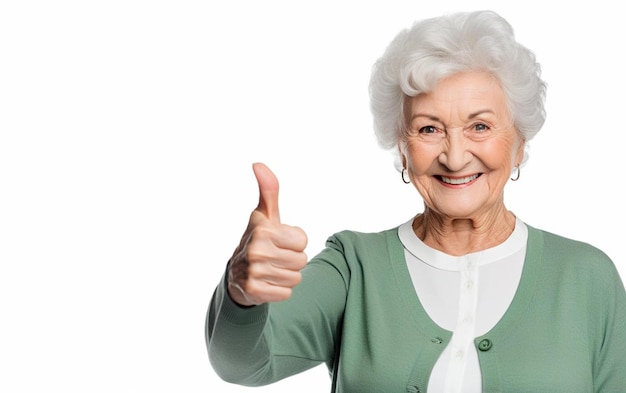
(266, 265)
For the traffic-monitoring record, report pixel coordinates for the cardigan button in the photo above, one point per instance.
(412, 389)
(436, 340)
(485, 345)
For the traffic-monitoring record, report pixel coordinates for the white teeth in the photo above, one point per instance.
(461, 180)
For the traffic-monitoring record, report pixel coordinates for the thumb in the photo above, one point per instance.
(268, 191)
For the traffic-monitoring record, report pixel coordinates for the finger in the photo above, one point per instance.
(279, 235)
(263, 259)
(291, 238)
(259, 292)
(268, 191)
(274, 275)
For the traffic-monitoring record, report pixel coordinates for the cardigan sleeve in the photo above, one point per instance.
(259, 345)
(610, 364)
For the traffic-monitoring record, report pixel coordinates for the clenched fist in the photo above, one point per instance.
(266, 265)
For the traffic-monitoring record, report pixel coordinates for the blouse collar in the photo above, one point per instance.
(440, 260)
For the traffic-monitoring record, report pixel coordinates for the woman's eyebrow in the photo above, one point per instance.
(429, 117)
(480, 112)
(435, 118)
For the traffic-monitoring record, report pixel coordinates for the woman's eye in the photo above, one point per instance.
(428, 130)
(480, 127)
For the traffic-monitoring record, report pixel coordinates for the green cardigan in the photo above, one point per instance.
(357, 311)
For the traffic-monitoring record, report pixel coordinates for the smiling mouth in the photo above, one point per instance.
(458, 180)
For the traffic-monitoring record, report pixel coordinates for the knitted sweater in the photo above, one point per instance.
(357, 311)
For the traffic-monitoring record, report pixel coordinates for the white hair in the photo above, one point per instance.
(435, 48)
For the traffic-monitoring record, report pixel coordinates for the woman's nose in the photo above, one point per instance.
(455, 154)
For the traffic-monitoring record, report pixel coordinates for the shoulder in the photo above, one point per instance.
(565, 247)
(561, 254)
(348, 249)
(370, 241)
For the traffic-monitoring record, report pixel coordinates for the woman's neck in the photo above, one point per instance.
(461, 236)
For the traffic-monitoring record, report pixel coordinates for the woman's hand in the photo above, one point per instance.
(266, 265)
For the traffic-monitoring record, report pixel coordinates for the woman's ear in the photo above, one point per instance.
(401, 154)
(519, 157)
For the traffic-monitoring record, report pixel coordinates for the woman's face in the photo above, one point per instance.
(461, 145)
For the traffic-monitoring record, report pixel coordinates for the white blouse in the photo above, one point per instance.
(467, 295)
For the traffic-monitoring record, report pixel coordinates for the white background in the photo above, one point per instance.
(127, 133)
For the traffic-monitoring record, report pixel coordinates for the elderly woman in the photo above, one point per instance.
(464, 296)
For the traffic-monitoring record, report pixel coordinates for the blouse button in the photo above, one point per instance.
(485, 345)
